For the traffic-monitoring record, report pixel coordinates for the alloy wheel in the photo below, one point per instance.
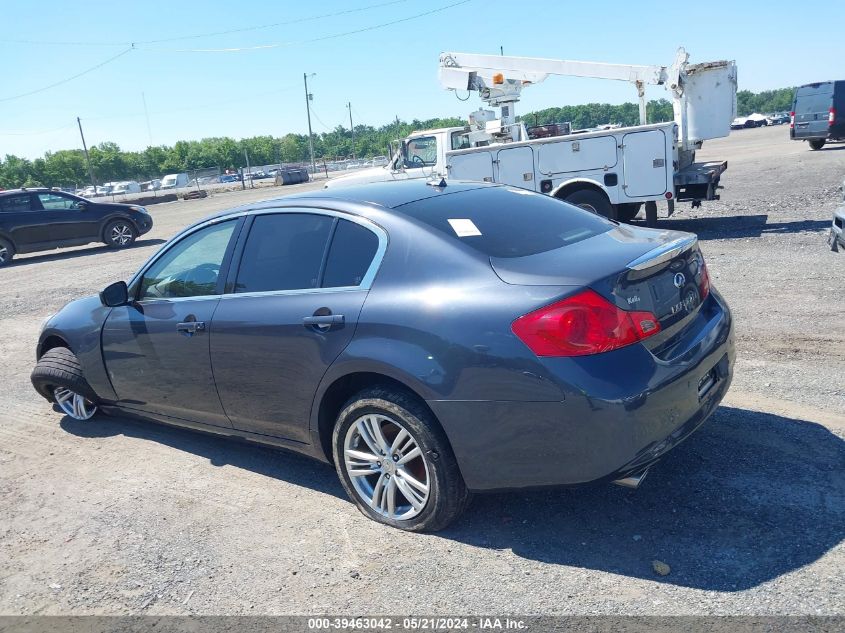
(73, 404)
(121, 234)
(4, 254)
(386, 466)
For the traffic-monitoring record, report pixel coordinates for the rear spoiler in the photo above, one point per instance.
(663, 253)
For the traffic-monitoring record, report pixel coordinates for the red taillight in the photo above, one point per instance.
(704, 284)
(791, 120)
(583, 324)
(831, 116)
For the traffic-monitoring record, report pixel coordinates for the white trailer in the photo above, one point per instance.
(612, 171)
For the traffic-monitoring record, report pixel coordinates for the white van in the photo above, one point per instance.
(174, 181)
(129, 186)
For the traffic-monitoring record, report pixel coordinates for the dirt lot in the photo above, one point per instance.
(117, 516)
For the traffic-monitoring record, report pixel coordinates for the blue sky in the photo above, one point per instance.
(385, 71)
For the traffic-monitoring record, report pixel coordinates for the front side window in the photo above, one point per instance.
(191, 268)
(15, 204)
(53, 201)
(421, 152)
(284, 251)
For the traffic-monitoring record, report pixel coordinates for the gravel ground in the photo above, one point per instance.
(123, 517)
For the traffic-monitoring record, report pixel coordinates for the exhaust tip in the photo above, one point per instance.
(632, 481)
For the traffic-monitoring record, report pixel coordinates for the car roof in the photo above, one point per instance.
(388, 195)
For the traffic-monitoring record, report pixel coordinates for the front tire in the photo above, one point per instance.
(120, 234)
(816, 143)
(7, 252)
(395, 462)
(58, 377)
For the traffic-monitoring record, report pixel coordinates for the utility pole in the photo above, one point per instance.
(248, 170)
(351, 128)
(87, 157)
(308, 97)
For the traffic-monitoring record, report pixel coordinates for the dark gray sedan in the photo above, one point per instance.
(428, 340)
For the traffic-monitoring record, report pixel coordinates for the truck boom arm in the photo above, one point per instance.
(499, 80)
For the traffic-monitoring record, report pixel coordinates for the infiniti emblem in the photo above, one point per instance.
(679, 280)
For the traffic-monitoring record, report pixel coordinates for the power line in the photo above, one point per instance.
(64, 81)
(209, 34)
(269, 26)
(38, 132)
(309, 41)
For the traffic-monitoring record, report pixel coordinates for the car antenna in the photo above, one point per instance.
(438, 184)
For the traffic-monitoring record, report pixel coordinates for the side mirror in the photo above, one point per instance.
(117, 294)
(82, 205)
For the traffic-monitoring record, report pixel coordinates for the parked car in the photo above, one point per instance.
(751, 120)
(228, 178)
(429, 341)
(87, 192)
(836, 238)
(42, 219)
(778, 118)
(818, 113)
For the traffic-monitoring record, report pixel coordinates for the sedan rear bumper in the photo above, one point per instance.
(620, 422)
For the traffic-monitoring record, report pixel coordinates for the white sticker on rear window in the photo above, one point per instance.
(464, 227)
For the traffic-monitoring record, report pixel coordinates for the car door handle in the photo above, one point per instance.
(189, 328)
(323, 319)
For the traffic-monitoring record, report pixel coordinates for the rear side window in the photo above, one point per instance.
(350, 255)
(12, 204)
(507, 222)
(284, 251)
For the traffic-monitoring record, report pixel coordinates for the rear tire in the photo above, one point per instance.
(816, 143)
(120, 234)
(7, 252)
(59, 369)
(380, 455)
(592, 201)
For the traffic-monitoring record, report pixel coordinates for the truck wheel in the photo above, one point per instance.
(651, 213)
(591, 201)
(627, 212)
(816, 143)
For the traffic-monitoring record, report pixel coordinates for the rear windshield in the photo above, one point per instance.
(815, 95)
(506, 221)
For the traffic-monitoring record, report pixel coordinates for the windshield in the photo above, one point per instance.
(420, 152)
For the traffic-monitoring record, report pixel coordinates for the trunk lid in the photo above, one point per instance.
(637, 269)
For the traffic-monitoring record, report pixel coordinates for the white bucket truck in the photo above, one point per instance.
(611, 171)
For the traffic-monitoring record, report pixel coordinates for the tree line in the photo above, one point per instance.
(67, 168)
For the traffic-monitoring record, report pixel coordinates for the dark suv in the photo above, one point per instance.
(42, 219)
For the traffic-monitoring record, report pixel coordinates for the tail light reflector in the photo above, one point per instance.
(791, 120)
(831, 116)
(581, 325)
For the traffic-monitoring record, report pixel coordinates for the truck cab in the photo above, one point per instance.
(421, 155)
